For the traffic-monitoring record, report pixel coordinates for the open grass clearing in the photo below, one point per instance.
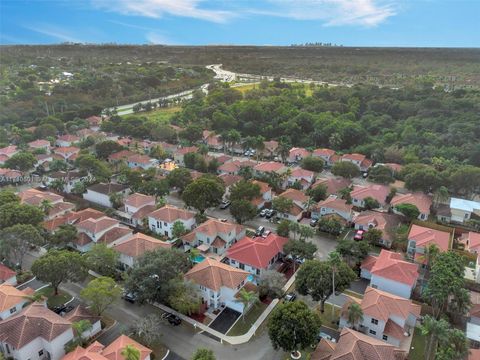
(52, 299)
(417, 348)
(243, 325)
(330, 316)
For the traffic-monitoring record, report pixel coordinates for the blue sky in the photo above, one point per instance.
(442, 23)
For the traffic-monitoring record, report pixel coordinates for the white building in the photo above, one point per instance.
(100, 193)
(333, 205)
(462, 210)
(161, 221)
(12, 300)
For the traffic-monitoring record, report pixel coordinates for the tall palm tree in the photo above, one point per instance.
(355, 315)
(79, 328)
(435, 331)
(247, 298)
(234, 137)
(441, 195)
(259, 146)
(130, 352)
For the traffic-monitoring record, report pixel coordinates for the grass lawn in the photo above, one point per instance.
(54, 300)
(352, 293)
(329, 318)
(247, 87)
(417, 347)
(242, 326)
(160, 115)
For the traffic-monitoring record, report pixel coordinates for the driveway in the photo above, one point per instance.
(225, 320)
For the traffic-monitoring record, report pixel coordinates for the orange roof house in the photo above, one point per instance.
(385, 222)
(377, 192)
(422, 201)
(135, 246)
(12, 300)
(420, 237)
(471, 240)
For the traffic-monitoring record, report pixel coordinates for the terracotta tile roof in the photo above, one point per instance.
(82, 239)
(422, 201)
(324, 350)
(222, 159)
(214, 140)
(107, 189)
(114, 350)
(392, 266)
(354, 345)
(213, 275)
(95, 226)
(186, 150)
(171, 214)
(229, 179)
(264, 187)
(334, 185)
(81, 313)
(332, 202)
(213, 227)
(66, 150)
(138, 244)
(218, 243)
(114, 234)
(139, 200)
(8, 150)
(11, 296)
(424, 236)
(6, 273)
(271, 145)
(84, 354)
(68, 138)
(39, 143)
(94, 120)
(383, 305)
(392, 329)
(354, 157)
(323, 152)
(257, 252)
(269, 166)
(302, 173)
(141, 159)
(299, 152)
(474, 354)
(295, 195)
(17, 330)
(380, 220)
(84, 214)
(143, 212)
(35, 197)
(473, 240)
(60, 207)
(10, 174)
(51, 225)
(378, 192)
(121, 155)
(229, 167)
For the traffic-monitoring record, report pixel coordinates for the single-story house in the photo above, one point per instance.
(422, 201)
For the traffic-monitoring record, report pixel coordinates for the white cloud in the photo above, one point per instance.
(53, 32)
(159, 8)
(157, 39)
(367, 13)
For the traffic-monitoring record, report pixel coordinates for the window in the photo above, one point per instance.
(164, 223)
(374, 286)
(158, 224)
(373, 332)
(12, 310)
(40, 353)
(385, 337)
(374, 321)
(242, 266)
(258, 271)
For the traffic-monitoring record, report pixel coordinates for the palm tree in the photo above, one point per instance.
(130, 352)
(259, 145)
(434, 330)
(193, 254)
(234, 137)
(283, 150)
(79, 328)
(58, 185)
(354, 315)
(46, 206)
(440, 196)
(247, 298)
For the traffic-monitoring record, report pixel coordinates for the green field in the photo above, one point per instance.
(243, 325)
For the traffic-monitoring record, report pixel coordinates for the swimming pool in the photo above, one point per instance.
(198, 259)
(250, 278)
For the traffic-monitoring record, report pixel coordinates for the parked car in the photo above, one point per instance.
(263, 212)
(259, 231)
(313, 222)
(359, 235)
(266, 233)
(59, 309)
(270, 214)
(130, 297)
(172, 319)
(290, 297)
(225, 204)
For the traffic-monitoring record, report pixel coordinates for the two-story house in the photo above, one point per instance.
(161, 221)
(265, 168)
(101, 230)
(471, 241)
(385, 222)
(386, 316)
(218, 283)
(462, 210)
(420, 237)
(66, 153)
(301, 176)
(7, 275)
(138, 206)
(377, 192)
(333, 205)
(266, 194)
(258, 254)
(422, 201)
(358, 159)
(333, 184)
(390, 272)
(295, 155)
(299, 200)
(100, 193)
(325, 154)
(12, 300)
(213, 236)
(68, 178)
(56, 206)
(66, 140)
(270, 149)
(141, 161)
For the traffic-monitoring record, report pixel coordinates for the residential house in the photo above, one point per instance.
(386, 316)
(422, 201)
(333, 205)
(354, 345)
(141, 161)
(299, 200)
(301, 176)
(135, 246)
(270, 149)
(222, 159)
(100, 193)
(161, 221)
(120, 156)
(46, 339)
(214, 142)
(233, 167)
(80, 313)
(10, 176)
(72, 218)
(258, 254)
(44, 161)
(66, 153)
(229, 180)
(473, 326)
(101, 230)
(391, 273)
(333, 184)
(325, 154)
(8, 151)
(68, 178)
(85, 133)
(7, 275)
(66, 140)
(295, 155)
(94, 122)
(12, 300)
(463, 210)
(358, 159)
(39, 145)
(265, 168)
(471, 240)
(419, 238)
(213, 236)
(138, 206)
(35, 197)
(181, 152)
(377, 192)
(385, 222)
(218, 283)
(97, 351)
(266, 194)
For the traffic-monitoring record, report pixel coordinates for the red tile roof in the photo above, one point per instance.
(114, 234)
(213, 227)
(139, 200)
(138, 158)
(334, 185)
(6, 273)
(473, 240)
(269, 166)
(68, 138)
(229, 179)
(335, 203)
(392, 266)
(39, 143)
(11, 296)
(422, 201)
(354, 157)
(323, 152)
(171, 214)
(294, 152)
(378, 192)
(138, 244)
(302, 173)
(295, 195)
(115, 349)
(379, 220)
(95, 226)
(187, 150)
(121, 155)
(257, 252)
(424, 236)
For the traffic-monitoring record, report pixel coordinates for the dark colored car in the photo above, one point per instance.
(130, 297)
(59, 309)
(172, 319)
(270, 214)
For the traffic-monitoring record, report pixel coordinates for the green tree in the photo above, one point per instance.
(424, 179)
(57, 266)
(410, 211)
(381, 174)
(16, 240)
(311, 163)
(184, 297)
(203, 354)
(354, 314)
(314, 278)
(282, 204)
(102, 259)
(179, 178)
(8, 197)
(373, 236)
(178, 229)
(130, 352)
(243, 210)
(353, 252)
(100, 293)
(299, 249)
(106, 148)
(244, 190)
(22, 161)
(330, 225)
(318, 193)
(247, 299)
(116, 199)
(46, 205)
(64, 235)
(58, 165)
(97, 168)
(271, 284)
(453, 346)
(293, 326)
(370, 203)
(345, 169)
(203, 193)
(80, 327)
(433, 330)
(283, 228)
